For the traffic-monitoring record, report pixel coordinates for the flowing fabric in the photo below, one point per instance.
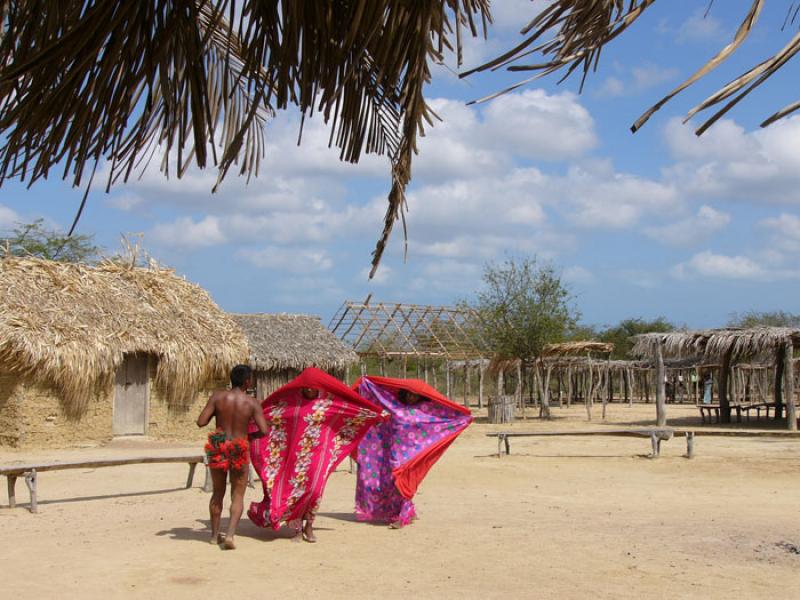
(395, 455)
(306, 440)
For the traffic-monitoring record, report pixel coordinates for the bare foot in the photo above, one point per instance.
(228, 544)
(308, 534)
(297, 537)
(216, 538)
(396, 525)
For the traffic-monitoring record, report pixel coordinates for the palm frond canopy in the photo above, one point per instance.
(197, 80)
(571, 34)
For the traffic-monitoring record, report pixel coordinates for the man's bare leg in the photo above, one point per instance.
(219, 479)
(238, 485)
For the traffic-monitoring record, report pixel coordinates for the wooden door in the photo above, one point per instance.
(131, 396)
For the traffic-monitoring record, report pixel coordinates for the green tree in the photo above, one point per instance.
(523, 307)
(621, 335)
(34, 239)
(777, 318)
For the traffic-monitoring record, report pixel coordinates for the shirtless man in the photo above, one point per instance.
(227, 448)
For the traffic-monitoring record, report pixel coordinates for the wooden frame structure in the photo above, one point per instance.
(430, 336)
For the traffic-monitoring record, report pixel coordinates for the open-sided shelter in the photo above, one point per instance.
(87, 353)
(728, 347)
(282, 345)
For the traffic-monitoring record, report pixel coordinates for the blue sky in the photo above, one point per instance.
(656, 223)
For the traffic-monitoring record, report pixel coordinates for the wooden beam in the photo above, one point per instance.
(661, 408)
(788, 386)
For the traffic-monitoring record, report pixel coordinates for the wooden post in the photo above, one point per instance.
(569, 386)
(480, 382)
(466, 384)
(780, 363)
(788, 387)
(520, 399)
(661, 408)
(500, 383)
(426, 370)
(608, 392)
(544, 410)
(690, 444)
(724, 378)
(207, 485)
(646, 386)
(589, 391)
(30, 480)
(447, 377)
(626, 383)
(12, 494)
(190, 478)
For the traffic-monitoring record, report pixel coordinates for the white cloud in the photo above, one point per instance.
(729, 163)
(693, 230)
(8, 217)
(700, 27)
(297, 260)
(709, 265)
(381, 277)
(718, 266)
(578, 275)
(784, 232)
(184, 232)
(636, 80)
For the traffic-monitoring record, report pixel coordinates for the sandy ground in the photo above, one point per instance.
(559, 518)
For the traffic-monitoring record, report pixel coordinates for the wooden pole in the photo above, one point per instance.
(466, 384)
(520, 399)
(661, 407)
(788, 387)
(724, 378)
(447, 377)
(480, 383)
(589, 391)
(780, 363)
(544, 410)
(569, 386)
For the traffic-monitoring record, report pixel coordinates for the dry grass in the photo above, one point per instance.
(710, 344)
(279, 342)
(69, 326)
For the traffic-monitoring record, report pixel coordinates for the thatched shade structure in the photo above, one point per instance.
(75, 336)
(729, 346)
(282, 345)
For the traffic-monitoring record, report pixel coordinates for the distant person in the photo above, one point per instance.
(708, 384)
(227, 448)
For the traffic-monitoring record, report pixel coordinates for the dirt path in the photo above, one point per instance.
(560, 518)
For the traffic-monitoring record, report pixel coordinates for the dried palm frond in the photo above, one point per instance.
(584, 27)
(69, 326)
(85, 80)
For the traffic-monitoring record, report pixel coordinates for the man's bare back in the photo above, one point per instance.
(227, 448)
(232, 410)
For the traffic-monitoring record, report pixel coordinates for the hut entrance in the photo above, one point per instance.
(131, 396)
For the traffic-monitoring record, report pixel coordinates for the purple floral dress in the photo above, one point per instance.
(387, 446)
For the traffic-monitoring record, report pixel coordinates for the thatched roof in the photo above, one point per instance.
(714, 343)
(284, 341)
(84, 81)
(69, 326)
(576, 348)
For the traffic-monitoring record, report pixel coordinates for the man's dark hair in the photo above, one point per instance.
(240, 374)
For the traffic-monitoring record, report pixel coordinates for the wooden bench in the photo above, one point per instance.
(30, 471)
(714, 410)
(656, 435)
(758, 407)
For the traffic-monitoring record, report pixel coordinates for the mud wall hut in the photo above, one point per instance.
(282, 345)
(87, 353)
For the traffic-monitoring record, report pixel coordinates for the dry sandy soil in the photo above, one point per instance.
(562, 517)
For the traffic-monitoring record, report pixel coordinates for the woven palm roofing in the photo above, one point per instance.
(712, 344)
(409, 330)
(69, 326)
(576, 348)
(282, 341)
(197, 80)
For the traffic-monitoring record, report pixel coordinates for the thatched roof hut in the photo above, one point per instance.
(728, 346)
(71, 328)
(282, 345)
